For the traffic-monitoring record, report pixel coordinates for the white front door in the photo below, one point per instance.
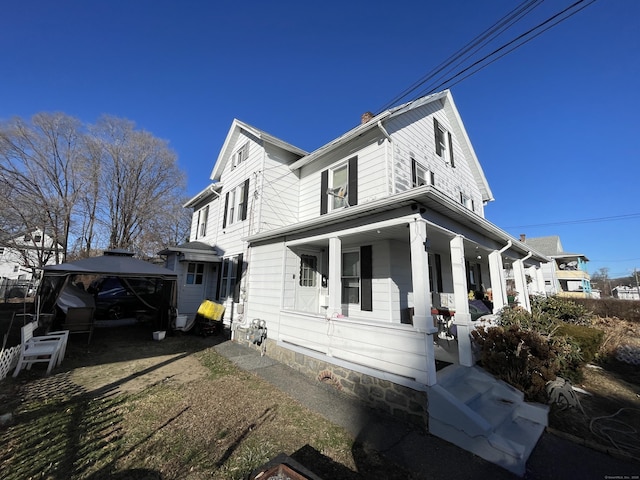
(308, 282)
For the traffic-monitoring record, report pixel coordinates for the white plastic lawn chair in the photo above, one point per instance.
(45, 348)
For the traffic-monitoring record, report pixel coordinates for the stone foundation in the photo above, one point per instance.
(402, 402)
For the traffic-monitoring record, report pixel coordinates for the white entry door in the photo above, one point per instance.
(308, 283)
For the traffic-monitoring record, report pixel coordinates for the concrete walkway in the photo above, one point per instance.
(425, 455)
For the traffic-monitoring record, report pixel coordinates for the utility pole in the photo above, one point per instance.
(635, 274)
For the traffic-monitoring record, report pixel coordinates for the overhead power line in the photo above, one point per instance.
(498, 28)
(628, 216)
(492, 32)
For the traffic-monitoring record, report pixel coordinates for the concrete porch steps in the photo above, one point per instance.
(472, 409)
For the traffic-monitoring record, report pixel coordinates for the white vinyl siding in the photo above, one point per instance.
(414, 138)
(371, 183)
(265, 277)
(278, 201)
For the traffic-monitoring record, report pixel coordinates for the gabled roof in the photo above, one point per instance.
(236, 127)
(551, 246)
(379, 120)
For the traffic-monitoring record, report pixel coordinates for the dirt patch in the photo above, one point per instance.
(609, 417)
(127, 359)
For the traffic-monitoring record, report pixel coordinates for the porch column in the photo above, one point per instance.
(422, 318)
(498, 282)
(536, 288)
(335, 278)
(521, 284)
(462, 319)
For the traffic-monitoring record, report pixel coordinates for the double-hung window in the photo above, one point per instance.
(240, 155)
(195, 273)
(339, 186)
(357, 277)
(230, 276)
(203, 216)
(420, 175)
(231, 217)
(467, 201)
(351, 277)
(235, 204)
(444, 142)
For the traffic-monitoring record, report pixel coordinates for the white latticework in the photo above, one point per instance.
(8, 360)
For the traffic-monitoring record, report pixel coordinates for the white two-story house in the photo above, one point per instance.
(360, 259)
(22, 256)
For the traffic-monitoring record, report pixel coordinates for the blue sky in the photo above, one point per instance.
(554, 123)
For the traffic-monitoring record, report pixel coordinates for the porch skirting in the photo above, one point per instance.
(404, 403)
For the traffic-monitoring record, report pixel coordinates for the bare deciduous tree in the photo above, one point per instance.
(40, 170)
(140, 179)
(107, 185)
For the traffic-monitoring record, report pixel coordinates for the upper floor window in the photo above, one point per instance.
(240, 155)
(444, 142)
(467, 201)
(420, 175)
(27, 238)
(1, 250)
(203, 217)
(37, 238)
(235, 204)
(339, 186)
(195, 273)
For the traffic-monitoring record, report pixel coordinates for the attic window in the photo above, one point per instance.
(240, 155)
(444, 143)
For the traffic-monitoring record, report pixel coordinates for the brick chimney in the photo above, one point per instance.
(366, 116)
(523, 237)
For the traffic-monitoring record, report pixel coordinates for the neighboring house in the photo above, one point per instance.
(23, 254)
(566, 275)
(625, 293)
(350, 255)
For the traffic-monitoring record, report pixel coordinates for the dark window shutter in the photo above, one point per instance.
(366, 274)
(438, 271)
(436, 134)
(236, 287)
(324, 186)
(198, 224)
(245, 200)
(451, 150)
(352, 189)
(226, 205)
(414, 176)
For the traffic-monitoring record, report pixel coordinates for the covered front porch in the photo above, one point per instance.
(390, 297)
